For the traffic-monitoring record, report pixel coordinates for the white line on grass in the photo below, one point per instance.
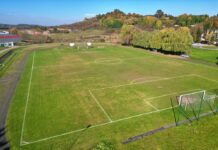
(27, 100)
(94, 126)
(205, 78)
(148, 103)
(106, 114)
(179, 92)
(148, 81)
(137, 80)
(102, 124)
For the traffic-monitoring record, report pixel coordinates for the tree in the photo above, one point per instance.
(184, 39)
(167, 39)
(141, 39)
(168, 22)
(111, 23)
(158, 24)
(159, 13)
(126, 34)
(147, 21)
(13, 31)
(196, 33)
(209, 37)
(182, 20)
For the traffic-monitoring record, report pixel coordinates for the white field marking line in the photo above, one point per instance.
(148, 103)
(137, 80)
(148, 81)
(106, 114)
(27, 99)
(151, 98)
(200, 76)
(67, 133)
(98, 125)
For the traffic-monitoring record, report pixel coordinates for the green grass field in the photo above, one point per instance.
(120, 91)
(206, 55)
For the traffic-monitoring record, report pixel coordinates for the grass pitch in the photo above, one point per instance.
(119, 91)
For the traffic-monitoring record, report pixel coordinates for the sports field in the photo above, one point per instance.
(119, 91)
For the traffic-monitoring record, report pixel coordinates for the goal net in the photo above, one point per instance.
(193, 105)
(194, 98)
(197, 100)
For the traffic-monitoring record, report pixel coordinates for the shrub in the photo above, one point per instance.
(104, 145)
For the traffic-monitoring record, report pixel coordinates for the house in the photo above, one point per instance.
(7, 39)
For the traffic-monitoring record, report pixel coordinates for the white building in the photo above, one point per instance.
(7, 39)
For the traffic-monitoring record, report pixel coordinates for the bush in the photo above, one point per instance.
(104, 145)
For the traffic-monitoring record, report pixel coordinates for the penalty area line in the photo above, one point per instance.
(106, 114)
(149, 104)
(147, 81)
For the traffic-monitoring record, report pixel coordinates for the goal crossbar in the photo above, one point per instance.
(188, 94)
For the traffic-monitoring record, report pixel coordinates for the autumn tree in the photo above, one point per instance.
(126, 34)
(141, 39)
(147, 21)
(158, 24)
(111, 23)
(196, 33)
(209, 37)
(167, 39)
(13, 31)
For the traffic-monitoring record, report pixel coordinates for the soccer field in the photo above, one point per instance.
(119, 91)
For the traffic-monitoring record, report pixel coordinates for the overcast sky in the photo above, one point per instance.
(56, 12)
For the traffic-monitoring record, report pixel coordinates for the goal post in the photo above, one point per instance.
(193, 98)
(192, 106)
(197, 99)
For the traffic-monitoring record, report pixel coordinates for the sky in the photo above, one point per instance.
(56, 12)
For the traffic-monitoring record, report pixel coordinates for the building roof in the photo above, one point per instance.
(5, 38)
(4, 32)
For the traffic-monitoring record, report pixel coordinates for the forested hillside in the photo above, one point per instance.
(197, 24)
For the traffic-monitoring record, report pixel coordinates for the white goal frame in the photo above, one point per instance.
(187, 102)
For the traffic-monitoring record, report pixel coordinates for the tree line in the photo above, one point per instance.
(198, 24)
(169, 40)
